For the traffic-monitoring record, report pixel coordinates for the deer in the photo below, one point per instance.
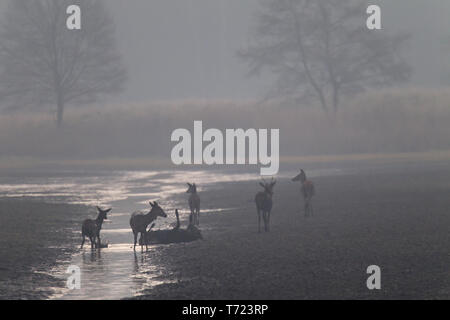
(307, 190)
(91, 228)
(175, 235)
(139, 222)
(264, 203)
(194, 204)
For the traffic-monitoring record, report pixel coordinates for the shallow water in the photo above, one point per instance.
(117, 272)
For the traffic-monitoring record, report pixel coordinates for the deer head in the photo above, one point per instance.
(268, 186)
(300, 177)
(102, 214)
(192, 188)
(157, 211)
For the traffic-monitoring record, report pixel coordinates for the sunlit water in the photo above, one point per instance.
(117, 272)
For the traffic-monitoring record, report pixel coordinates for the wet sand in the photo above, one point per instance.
(35, 238)
(398, 219)
(394, 216)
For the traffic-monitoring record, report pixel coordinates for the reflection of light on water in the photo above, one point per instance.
(108, 231)
(217, 210)
(115, 186)
(147, 195)
(118, 214)
(120, 247)
(116, 272)
(121, 185)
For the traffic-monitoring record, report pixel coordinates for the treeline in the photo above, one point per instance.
(382, 122)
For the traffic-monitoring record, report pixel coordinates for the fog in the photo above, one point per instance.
(305, 143)
(182, 61)
(182, 49)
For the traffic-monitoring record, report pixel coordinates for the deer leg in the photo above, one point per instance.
(268, 221)
(99, 242)
(259, 221)
(82, 242)
(266, 224)
(198, 216)
(144, 237)
(309, 208)
(135, 234)
(264, 220)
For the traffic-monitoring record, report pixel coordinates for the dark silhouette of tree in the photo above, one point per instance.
(322, 49)
(43, 63)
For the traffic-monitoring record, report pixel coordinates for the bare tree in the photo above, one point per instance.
(43, 63)
(322, 49)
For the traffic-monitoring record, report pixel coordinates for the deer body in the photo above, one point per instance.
(307, 190)
(176, 235)
(139, 222)
(194, 204)
(264, 204)
(91, 228)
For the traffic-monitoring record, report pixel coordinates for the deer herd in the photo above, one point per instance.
(139, 222)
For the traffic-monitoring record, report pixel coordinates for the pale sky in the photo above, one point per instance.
(186, 49)
(177, 49)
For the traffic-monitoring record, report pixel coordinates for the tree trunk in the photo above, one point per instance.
(60, 111)
(323, 101)
(335, 99)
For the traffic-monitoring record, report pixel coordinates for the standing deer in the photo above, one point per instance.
(91, 228)
(194, 204)
(264, 203)
(139, 222)
(308, 192)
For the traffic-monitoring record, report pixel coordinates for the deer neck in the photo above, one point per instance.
(99, 221)
(150, 217)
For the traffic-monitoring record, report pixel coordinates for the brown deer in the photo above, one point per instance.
(194, 204)
(308, 191)
(264, 203)
(139, 222)
(91, 228)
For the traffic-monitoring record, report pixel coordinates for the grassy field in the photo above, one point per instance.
(138, 136)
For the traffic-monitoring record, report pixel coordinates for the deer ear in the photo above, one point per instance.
(108, 210)
(273, 183)
(262, 185)
(155, 203)
(151, 204)
(99, 210)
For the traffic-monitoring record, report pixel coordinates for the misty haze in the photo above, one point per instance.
(89, 183)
